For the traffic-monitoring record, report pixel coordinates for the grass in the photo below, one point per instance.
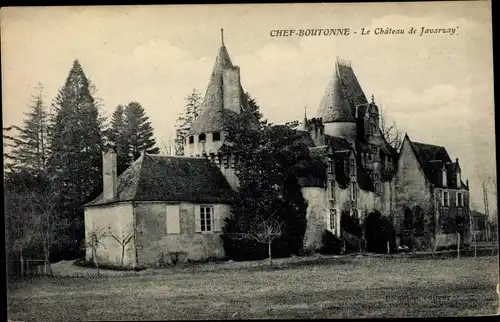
(348, 288)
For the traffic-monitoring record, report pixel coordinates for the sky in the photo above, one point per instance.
(438, 88)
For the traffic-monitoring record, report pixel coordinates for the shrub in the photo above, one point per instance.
(331, 244)
(83, 262)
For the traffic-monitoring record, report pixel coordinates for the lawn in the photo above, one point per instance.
(341, 288)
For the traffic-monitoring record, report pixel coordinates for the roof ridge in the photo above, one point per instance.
(420, 143)
(139, 174)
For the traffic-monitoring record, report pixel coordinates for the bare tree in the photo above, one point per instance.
(47, 226)
(265, 232)
(123, 238)
(390, 131)
(93, 241)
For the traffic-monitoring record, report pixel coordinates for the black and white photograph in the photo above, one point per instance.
(249, 161)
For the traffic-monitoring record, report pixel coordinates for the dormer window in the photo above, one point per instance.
(202, 137)
(445, 179)
(330, 166)
(459, 180)
(352, 167)
(216, 136)
(191, 139)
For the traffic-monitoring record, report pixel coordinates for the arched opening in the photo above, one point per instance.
(378, 232)
(419, 221)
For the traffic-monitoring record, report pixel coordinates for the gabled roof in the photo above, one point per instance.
(432, 159)
(214, 117)
(167, 178)
(341, 96)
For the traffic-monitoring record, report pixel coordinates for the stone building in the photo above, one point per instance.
(175, 206)
(428, 183)
(361, 163)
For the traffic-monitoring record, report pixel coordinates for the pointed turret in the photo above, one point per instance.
(334, 106)
(224, 96)
(303, 125)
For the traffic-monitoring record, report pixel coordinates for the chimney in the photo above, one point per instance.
(232, 89)
(467, 183)
(109, 175)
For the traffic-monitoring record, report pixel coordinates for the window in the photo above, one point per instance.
(444, 178)
(206, 217)
(460, 201)
(332, 189)
(352, 167)
(333, 218)
(173, 220)
(445, 200)
(377, 181)
(202, 137)
(353, 192)
(459, 182)
(330, 166)
(216, 136)
(191, 139)
(369, 156)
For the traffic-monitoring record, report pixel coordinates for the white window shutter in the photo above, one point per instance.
(197, 221)
(215, 218)
(173, 220)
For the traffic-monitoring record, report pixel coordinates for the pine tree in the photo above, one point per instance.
(29, 146)
(192, 110)
(76, 144)
(117, 136)
(138, 132)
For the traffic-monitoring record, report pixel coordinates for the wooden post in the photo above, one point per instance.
(22, 264)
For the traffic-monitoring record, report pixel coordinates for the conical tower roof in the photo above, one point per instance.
(214, 116)
(342, 95)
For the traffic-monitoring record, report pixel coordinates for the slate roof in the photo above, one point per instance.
(167, 178)
(431, 159)
(341, 149)
(341, 96)
(213, 116)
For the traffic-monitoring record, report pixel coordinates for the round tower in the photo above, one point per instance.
(335, 110)
(223, 104)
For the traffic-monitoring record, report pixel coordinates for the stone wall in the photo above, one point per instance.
(116, 219)
(316, 216)
(155, 243)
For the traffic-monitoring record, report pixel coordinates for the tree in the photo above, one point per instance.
(94, 241)
(390, 132)
(75, 168)
(123, 237)
(19, 219)
(117, 136)
(138, 132)
(49, 228)
(270, 159)
(192, 110)
(29, 148)
(266, 231)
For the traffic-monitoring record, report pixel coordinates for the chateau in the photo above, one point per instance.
(166, 205)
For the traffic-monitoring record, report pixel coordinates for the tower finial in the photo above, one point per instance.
(305, 112)
(373, 99)
(222, 36)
